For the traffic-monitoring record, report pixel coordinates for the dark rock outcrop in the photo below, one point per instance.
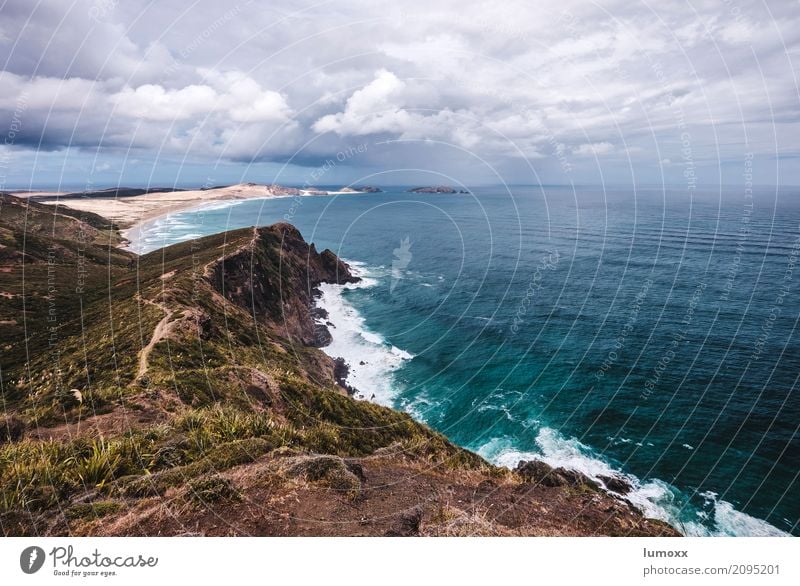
(616, 484)
(276, 278)
(538, 472)
(340, 371)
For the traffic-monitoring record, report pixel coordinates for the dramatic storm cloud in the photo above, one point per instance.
(536, 92)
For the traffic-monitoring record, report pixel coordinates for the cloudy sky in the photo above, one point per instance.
(105, 92)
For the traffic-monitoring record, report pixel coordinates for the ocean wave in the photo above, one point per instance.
(654, 498)
(371, 359)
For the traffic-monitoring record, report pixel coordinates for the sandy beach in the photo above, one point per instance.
(130, 211)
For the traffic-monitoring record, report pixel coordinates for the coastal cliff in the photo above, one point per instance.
(275, 276)
(183, 392)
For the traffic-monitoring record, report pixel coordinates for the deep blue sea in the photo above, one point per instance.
(648, 332)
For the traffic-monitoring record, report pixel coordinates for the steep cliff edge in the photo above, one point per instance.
(181, 392)
(275, 277)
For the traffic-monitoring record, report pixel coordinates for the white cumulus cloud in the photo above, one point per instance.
(375, 108)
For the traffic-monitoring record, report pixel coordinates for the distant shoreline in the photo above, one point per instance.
(131, 212)
(130, 209)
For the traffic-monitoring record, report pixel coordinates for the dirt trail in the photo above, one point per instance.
(162, 328)
(159, 333)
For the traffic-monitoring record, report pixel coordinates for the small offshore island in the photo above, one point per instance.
(437, 189)
(184, 391)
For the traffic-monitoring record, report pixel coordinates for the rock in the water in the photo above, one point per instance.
(340, 371)
(322, 336)
(319, 313)
(616, 484)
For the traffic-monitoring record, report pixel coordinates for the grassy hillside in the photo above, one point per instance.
(181, 392)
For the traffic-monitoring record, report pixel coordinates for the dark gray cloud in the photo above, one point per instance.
(554, 92)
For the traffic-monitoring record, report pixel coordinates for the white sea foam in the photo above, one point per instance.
(733, 522)
(372, 360)
(655, 498)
